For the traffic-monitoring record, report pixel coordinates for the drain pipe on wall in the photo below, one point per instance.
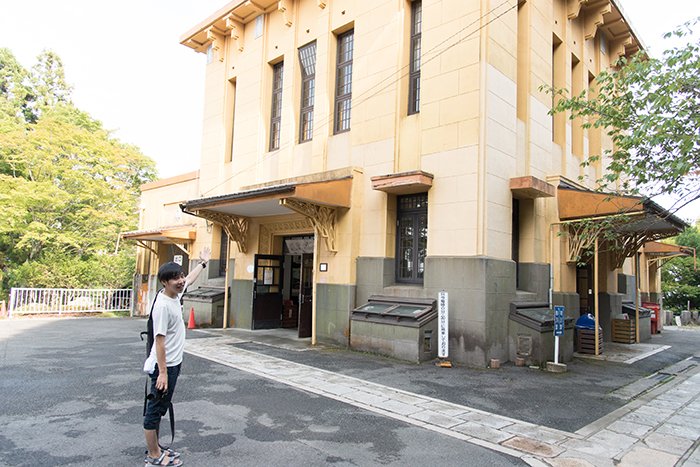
(314, 274)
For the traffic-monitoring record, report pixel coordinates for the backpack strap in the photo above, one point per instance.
(171, 416)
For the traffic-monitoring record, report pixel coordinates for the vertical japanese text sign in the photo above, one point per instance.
(443, 330)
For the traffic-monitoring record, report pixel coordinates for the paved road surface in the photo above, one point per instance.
(71, 393)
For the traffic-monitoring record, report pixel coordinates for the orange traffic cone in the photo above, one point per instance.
(191, 324)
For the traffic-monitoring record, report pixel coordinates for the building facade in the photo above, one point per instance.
(403, 148)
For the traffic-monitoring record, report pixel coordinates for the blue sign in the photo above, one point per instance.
(558, 320)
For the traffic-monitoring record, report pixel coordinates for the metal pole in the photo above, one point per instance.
(636, 296)
(228, 248)
(595, 296)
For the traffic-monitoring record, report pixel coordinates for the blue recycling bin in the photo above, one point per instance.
(586, 321)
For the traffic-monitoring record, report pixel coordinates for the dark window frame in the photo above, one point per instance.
(343, 82)
(276, 106)
(412, 211)
(307, 62)
(415, 57)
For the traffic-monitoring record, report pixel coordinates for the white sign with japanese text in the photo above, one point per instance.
(443, 329)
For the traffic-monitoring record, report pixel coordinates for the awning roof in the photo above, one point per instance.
(581, 204)
(666, 249)
(403, 183)
(267, 201)
(648, 216)
(168, 234)
(318, 197)
(633, 221)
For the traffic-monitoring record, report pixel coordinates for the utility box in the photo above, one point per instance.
(531, 333)
(208, 306)
(644, 322)
(398, 327)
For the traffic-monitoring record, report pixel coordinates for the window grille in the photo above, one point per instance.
(414, 72)
(343, 88)
(276, 111)
(307, 59)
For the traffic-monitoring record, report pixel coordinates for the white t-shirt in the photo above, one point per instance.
(168, 322)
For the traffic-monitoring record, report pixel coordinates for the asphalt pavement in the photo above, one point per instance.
(72, 394)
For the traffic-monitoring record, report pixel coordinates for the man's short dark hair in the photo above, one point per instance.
(170, 271)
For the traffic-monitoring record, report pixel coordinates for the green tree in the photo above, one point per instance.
(67, 187)
(16, 95)
(680, 281)
(650, 107)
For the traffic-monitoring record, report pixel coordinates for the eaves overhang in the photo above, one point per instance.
(167, 234)
(227, 20)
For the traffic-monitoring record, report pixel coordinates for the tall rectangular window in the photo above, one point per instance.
(414, 71)
(411, 237)
(276, 111)
(307, 59)
(343, 82)
(230, 118)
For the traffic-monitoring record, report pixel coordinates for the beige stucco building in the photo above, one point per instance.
(402, 148)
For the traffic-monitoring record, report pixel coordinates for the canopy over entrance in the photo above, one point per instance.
(626, 223)
(316, 197)
(179, 235)
(660, 253)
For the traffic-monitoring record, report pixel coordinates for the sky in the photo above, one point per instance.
(129, 70)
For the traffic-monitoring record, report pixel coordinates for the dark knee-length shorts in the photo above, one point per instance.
(157, 407)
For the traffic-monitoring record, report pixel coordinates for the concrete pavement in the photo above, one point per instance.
(658, 427)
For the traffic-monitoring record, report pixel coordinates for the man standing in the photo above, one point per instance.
(163, 363)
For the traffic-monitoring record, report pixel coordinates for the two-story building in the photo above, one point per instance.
(403, 148)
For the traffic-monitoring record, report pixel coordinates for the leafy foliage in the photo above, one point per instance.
(651, 110)
(680, 281)
(67, 187)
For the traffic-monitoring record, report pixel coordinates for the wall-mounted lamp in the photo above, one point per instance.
(323, 267)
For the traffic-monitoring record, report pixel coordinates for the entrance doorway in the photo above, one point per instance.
(267, 291)
(584, 288)
(298, 295)
(283, 287)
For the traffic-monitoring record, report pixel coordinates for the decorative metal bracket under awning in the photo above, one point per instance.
(236, 227)
(323, 218)
(581, 235)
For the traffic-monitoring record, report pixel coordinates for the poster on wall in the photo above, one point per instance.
(268, 276)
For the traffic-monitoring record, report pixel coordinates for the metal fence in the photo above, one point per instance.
(24, 301)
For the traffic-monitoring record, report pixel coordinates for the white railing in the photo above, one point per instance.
(25, 301)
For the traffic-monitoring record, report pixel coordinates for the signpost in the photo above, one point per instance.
(558, 330)
(443, 329)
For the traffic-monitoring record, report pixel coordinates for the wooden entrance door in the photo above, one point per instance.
(267, 291)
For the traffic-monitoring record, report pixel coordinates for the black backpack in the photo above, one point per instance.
(149, 345)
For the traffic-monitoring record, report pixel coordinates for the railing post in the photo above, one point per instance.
(13, 299)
